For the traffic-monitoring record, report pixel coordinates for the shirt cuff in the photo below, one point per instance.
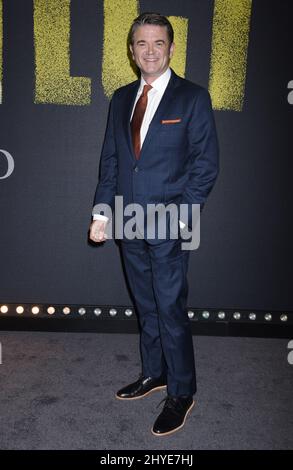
(100, 217)
(182, 224)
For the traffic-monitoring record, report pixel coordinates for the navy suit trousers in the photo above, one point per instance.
(157, 276)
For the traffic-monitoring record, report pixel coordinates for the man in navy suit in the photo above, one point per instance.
(160, 147)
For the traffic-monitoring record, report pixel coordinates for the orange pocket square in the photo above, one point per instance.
(170, 121)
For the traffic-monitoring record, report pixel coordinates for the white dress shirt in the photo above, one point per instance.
(154, 97)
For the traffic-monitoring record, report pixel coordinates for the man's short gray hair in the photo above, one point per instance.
(151, 18)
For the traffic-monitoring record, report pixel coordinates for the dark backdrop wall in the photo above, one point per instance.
(51, 142)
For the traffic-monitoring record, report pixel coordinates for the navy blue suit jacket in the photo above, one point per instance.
(179, 162)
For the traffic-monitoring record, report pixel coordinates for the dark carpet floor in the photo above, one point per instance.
(57, 392)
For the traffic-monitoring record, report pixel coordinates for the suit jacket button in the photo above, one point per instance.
(136, 169)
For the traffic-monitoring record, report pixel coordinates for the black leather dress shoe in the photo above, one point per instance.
(142, 387)
(173, 416)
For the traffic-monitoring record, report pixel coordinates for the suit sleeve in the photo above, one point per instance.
(106, 187)
(203, 166)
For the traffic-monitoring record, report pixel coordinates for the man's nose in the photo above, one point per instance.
(150, 49)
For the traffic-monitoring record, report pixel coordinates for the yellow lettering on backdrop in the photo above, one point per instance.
(116, 71)
(231, 26)
(52, 51)
(52, 56)
(178, 61)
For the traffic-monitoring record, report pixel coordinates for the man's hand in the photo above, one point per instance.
(97, 231)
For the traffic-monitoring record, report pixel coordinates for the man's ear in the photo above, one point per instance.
(172, 49)
(131, 49)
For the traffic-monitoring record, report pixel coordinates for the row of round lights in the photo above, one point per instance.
(129, 312)
(237, 316)
(66, 310)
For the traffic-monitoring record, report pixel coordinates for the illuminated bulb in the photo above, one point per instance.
(128, 312)
(206, 314)
(252, 316)
(51, 310)
(66, 310)
(236, 315)
(97, 311)
(19, 309)
(221, 315)
(82, 311)
(113, 312)
(4, 309)
(268, 317)
(283, 317)
(190, 314)
(35, 310)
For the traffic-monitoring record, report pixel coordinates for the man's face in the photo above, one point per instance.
(151, 50)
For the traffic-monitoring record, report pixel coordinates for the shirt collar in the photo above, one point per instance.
(160, 83)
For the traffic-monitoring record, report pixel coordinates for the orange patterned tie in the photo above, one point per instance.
(137, 119)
